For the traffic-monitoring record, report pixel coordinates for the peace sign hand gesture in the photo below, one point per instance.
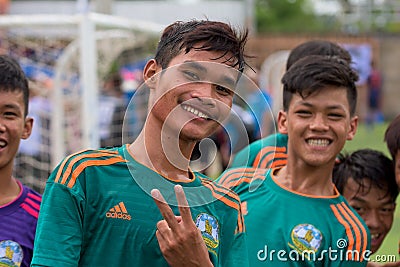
(179, 239)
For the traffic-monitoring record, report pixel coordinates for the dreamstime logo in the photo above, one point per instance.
(330, 254)
(191, 116)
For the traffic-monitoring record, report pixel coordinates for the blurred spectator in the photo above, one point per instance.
(259, 103)
(112, 110)
(374, 85)
(4, 6)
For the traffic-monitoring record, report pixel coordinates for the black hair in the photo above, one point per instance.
(13, 79)
(362, 165)
(210, 35)
(317, 47)
(313, 73)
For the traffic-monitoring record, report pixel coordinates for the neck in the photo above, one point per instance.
(9, 189)
(165, 153)
(308, 180)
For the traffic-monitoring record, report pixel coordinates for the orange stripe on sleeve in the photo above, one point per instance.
(88, 163)
(222, 190)
(221, 197)
(78, 158)
(361, 226)
(346, 226)
(220, 193)
(268, 160)
(227, 175)
(278, 163)
(246, 175)
(63, 165)
(353, 224)
(261, 154)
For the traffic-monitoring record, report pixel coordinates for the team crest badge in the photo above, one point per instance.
(11, 254)
(306, 238)
(208, 225)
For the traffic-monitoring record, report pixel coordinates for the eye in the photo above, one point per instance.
(387, 210)
(359, 209)
(10, 114)
(191, 75)
(303, 113)
(335, 116)
(223, 90)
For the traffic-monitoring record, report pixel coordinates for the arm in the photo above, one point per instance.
(180, 240)
(59, 229)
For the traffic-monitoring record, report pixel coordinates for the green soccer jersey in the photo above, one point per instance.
(285, 228)
(268, 152)
(97, 211)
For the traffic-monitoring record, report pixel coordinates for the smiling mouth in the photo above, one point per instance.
(196, 112)
(318, 142)
(375, 236)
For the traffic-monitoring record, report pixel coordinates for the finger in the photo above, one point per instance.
(161, 240)
(183, 204)
(164, 229)
(165, 209)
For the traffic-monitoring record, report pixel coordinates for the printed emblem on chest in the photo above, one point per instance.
(305, 238)
(209, 227)
(11, 253)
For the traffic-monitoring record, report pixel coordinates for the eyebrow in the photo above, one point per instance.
(227, 81)
(304, 103)
(11, 106)
(363, 201)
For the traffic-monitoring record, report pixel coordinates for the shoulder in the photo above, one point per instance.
(229, 199)
(72, 166)
(221, 193)
(31, 202)
(273, 152)
(240, 179)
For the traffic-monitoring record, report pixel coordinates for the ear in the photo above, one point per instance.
(353, 128)
(149, 73)
(282, 122)
(27, 128)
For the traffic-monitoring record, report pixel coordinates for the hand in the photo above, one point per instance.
(180, 241)
(389, 264)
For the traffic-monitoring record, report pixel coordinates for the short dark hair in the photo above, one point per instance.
(317, 47)
(313, 73)
(392, 136)
(213, 36)
(366, 164)
(13, 79)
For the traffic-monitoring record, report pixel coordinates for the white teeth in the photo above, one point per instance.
(2, 143)
(195, 112)
(374, 236)
(318, 142)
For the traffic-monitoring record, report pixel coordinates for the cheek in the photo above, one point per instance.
(398, 177)
(397, 170)
(388, 221)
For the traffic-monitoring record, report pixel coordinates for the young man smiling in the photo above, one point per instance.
(98, 204)
(294, 215)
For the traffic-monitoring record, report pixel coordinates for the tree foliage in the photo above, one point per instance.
(289, 16)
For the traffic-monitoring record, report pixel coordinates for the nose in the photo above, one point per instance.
(373, 219)
(319, 123)
(205, 94)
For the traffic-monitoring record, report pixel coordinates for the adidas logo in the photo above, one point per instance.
(119, 212)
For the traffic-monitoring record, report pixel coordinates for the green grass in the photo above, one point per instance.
(373, 138)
